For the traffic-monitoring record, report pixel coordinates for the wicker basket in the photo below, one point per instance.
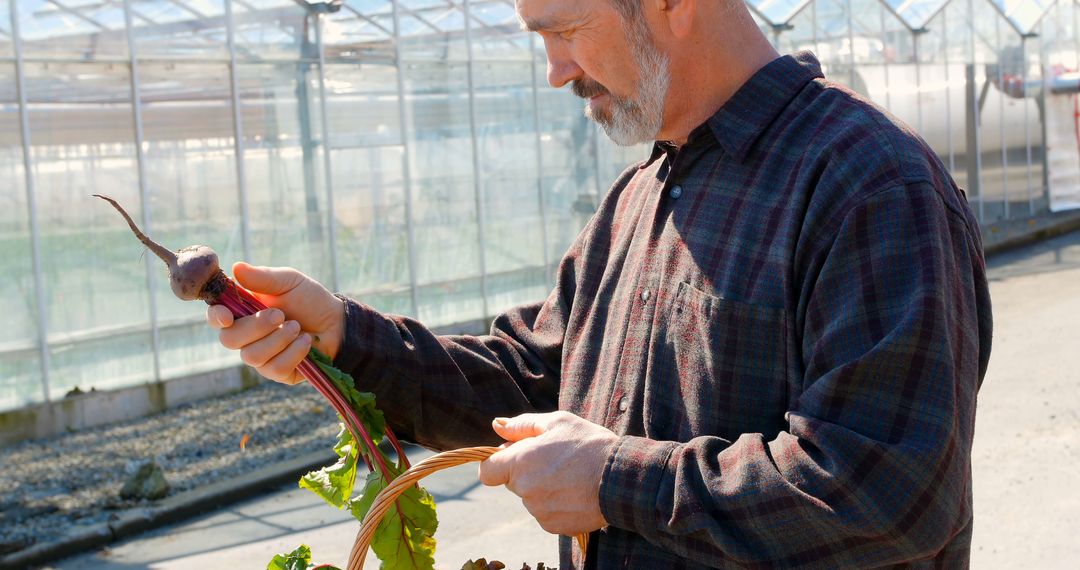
(385, 499)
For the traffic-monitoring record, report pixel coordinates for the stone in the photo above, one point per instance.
(146, 480)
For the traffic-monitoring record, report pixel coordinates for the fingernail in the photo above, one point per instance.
(277, 316)
(305, 338)
(500, 421)
(292, 326)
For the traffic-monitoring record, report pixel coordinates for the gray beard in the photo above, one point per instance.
(637, 120)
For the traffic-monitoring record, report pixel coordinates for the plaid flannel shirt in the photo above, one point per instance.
(786, 320)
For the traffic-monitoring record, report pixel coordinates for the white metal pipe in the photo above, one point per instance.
(1001, 123)
(948, 89)
(978, 113)
(478, 186)
(1027, 125)
(144, 194)
(405, 125)
(31, 206)
(238, 133)
(331, 220)
(541, 202)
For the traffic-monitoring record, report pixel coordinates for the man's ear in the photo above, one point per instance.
(680, 15)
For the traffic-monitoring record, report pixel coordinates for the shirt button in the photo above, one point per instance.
(623, 404)
(645, 295)
(676, 191)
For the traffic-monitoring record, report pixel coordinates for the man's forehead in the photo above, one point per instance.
(537, 15)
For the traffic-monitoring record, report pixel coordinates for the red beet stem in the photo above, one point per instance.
(239, 301)
(164, 253)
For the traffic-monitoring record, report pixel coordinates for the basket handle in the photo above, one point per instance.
(386, 498)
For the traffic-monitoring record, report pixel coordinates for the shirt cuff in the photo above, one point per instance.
(631, 480)
(363, 344)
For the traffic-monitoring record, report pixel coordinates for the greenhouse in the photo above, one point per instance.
(408, 153)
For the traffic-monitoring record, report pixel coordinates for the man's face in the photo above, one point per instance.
(611, 63)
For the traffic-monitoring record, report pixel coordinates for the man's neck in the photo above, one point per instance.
(710, 74)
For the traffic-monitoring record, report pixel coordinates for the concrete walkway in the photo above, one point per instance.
(475, 521)
(1026, 460)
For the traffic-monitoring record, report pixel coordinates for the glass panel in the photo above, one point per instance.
(191, 181)
(20, 368)
(20, 377)
(432, 30)
(273, 30)
(1013, 111)
(829, 20)
(362, 104)
(916, 12)
(6, 48)
(369, 189)
(801, 35)
(942, 73)
(174, 29)
(112, 358)
(614, 159)
(372, 236)
(448, 260)
(359, 30)
(514, 246)
(885, 60)
(72, 30)
(1023, 14)
(284, 167)
(190, 347)
(496, 33)
(989, 31)
(1060, 58)
(95, 280)
(777, 11)
(17, 297)
(568, 145)
(1034, 160)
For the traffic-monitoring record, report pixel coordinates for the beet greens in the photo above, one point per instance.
(405, 538)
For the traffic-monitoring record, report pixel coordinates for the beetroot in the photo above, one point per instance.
(194, 273)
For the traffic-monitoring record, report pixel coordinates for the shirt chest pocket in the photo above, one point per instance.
(720, 368)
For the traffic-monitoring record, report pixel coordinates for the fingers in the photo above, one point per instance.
(495, 470)
(521, 427)
(218, 317)
(267, 280)
(257, 354)
(251, 328)
(282, 367)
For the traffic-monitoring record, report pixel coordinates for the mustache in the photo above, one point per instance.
(587, 88)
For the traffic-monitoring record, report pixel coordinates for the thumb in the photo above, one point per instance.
(519, 427)
(267, 280)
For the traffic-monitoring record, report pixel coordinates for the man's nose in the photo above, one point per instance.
(561, 68)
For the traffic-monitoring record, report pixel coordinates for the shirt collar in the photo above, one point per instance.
(741, 121)
(738, 124)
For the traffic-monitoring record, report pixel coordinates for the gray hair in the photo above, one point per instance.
(628, 9)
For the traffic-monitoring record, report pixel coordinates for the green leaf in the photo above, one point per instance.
(362, 504)
(362, 402)
(334, 483)
(298, 559)
(405, 538)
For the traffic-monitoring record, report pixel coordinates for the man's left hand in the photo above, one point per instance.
(554, 462)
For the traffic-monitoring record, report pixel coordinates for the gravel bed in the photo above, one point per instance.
(48, 486)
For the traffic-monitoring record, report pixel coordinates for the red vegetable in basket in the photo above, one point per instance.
(406, 536)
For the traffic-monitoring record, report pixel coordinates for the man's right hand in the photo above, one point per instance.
(274, 341)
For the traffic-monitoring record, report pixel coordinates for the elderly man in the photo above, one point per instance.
(764, 348)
